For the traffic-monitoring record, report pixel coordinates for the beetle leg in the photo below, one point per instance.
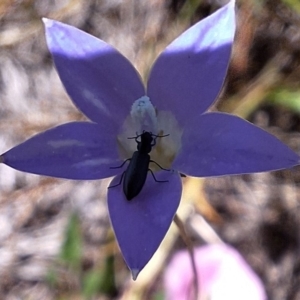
(112, 186)
(121, 164)
(159, 165)
(155, 178)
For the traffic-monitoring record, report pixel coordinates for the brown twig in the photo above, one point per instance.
(190, 248)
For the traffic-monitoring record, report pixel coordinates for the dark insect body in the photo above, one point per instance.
(136, 173)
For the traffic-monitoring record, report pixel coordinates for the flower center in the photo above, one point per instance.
(145, 117)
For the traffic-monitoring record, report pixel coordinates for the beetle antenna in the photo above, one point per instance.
(135, 137)
(157, 136)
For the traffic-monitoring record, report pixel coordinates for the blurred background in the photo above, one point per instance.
(55, 237)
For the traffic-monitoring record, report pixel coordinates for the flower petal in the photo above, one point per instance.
(222, 144)
(76, 150)
(222, 274)
(141, 224)
(188, 75)
(100, 81)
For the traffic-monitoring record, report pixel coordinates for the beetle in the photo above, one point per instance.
(136, 173)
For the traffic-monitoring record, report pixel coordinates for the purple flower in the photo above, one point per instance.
(184, 81)
(222, 274)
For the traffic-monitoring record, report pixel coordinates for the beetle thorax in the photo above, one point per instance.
(146, 143)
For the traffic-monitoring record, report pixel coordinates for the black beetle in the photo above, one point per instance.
(136, 173)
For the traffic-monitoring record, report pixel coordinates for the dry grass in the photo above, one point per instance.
(258, 214)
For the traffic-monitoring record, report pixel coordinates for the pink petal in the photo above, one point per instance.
(223, 274)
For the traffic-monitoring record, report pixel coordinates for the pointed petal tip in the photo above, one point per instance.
(1, 159)
(297, 163)
(294, 159)
(135, 273)
(230, 3)
(47, 22)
